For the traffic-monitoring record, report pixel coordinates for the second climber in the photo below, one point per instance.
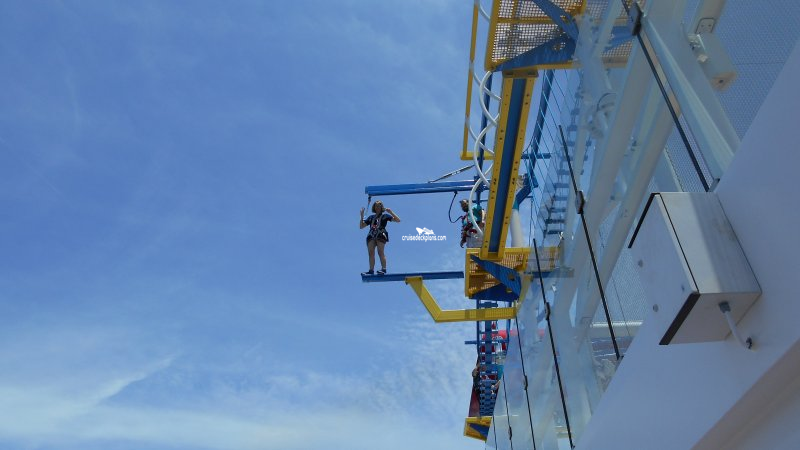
(469, 234)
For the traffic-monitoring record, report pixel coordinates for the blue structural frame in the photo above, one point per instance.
(524, 191)
(560, 17)
(558, 50)
(419, 188)
(487, 335)
(547, 87)
(497, 293)
(482, 429)
(495, 340)
(555, 51)
(402, 276)
(508, 277)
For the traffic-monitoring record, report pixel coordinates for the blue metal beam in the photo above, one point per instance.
(419, 188)
(555, 51)
(510, 278)
(403, 276)
(524, 191)
(497, 341)
(483, 430)
(559, 50)
(497, 293)
(561, 18)
(544, 101)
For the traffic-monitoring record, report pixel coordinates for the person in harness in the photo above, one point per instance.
(377, 236)
(469, 235)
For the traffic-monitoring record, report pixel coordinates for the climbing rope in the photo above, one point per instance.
(581, 213)
(450, 211)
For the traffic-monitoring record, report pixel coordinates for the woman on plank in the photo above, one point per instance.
(377, 236)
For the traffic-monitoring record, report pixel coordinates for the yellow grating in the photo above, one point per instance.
(520, 25)
(478, 279)
(517, 26)
(529, 11)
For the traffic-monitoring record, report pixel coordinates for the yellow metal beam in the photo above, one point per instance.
(456, 315)
(494, 191)
(489, 62)
(517, 20)
(485, 421)
(475, 13)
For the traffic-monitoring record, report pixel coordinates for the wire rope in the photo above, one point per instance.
(450, 210)
(553, 345)
(580, 208)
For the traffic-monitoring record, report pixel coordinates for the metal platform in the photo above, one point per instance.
(402, 276)
(517, 26)
(478, 279)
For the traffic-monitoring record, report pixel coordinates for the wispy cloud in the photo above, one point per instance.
(91, 378)
(152, 297)
(408, 404)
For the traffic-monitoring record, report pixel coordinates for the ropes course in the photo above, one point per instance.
(523, 37)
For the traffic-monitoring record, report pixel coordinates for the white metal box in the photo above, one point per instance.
(690, 261)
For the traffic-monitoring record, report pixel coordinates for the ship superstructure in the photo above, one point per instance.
(632, 282)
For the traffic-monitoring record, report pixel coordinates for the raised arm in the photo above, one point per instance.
(394, 216)
(361, 223)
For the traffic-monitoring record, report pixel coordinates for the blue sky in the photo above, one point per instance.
(179, 256)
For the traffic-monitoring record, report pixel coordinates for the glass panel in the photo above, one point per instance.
(501, 420)
(491, 440)
(514, 385)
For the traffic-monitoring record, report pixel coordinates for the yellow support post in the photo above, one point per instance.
(456, 315)
(465, 153)
(494, 190)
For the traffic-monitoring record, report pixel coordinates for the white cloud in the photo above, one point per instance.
(420, 401)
